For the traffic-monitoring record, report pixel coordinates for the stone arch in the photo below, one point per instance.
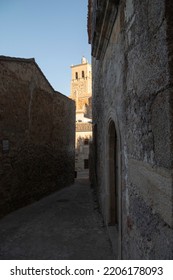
(113, 182)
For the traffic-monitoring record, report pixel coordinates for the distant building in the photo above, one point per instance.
(37, 135)
(81, 93)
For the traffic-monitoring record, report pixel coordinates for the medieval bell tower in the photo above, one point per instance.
(81, 91)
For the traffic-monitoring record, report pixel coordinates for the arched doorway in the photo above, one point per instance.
(113, 177)
(114, 188)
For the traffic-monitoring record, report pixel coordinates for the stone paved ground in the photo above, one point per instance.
(64, 225)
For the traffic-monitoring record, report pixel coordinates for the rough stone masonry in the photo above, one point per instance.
(132, 47)
(37, 135)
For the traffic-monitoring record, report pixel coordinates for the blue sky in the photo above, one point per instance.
(54, 32)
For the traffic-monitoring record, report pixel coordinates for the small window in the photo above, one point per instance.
(5, 146)
(86, 163)
(76, 75)
(83, 74)
(86, 141)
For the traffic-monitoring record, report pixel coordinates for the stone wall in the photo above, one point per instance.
(132, 87)
(37, 135)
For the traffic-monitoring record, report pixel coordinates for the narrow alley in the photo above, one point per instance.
(64, 225)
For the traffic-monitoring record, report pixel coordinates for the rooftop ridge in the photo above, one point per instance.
(3, 57)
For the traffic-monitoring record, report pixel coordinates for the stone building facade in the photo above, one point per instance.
(81, 93)
(83, 139)
(37, 135)
(132, 47)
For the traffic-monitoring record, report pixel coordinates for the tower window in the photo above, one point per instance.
(83, 74)
(86, 141)
(76, 74)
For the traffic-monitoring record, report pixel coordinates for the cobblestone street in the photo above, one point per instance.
(64, 225)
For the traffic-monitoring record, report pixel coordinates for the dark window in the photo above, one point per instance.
(83, 74)
(5, 146)
(86, 141)
(86, 163)
(76, 75)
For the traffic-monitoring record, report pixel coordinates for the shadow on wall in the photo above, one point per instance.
(36, 152)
